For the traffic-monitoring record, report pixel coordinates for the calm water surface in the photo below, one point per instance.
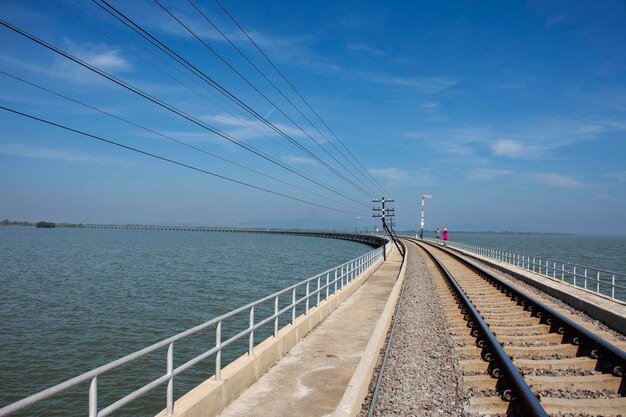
(603, 252)
(74, 299)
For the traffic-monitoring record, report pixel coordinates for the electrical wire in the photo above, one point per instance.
(167, 137)
(169, 107)
(176, 68)
(156, 42)
(172, 161)
(269, 81)
(298, 93)
(265, 97)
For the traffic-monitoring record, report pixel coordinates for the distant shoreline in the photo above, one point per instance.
(408, 232)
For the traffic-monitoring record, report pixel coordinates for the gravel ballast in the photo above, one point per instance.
(421, 377)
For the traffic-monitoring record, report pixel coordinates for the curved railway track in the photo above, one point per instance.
(518, 355)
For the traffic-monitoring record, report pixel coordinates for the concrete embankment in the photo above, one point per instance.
(609, 311)
(328, 369)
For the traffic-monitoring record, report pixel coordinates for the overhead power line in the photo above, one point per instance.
(367, 173)
(171, 161)
(161, 70)
(167, 137)
(170, 108)
(174, 55)
(265, 97)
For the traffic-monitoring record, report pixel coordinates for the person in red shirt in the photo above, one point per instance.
(445, 236)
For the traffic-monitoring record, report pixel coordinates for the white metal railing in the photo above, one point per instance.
(600, 281)
(315, 289)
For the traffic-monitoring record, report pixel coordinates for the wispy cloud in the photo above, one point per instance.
(533, 140)
(242, 128)
(56, 155)
(390, 174)
(619, 176)
(510, 148)
(361, 47)
(102, 56)
(429, 104)
(299, 160)
(486, 174)
(428, 85)
(556, 180)
(512, 85)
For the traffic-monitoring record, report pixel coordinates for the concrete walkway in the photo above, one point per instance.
(312, 379)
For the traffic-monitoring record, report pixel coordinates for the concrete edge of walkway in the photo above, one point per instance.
(211, 396)
(592, 304)
(352, 401)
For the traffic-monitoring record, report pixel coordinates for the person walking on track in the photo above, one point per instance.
(445, 236)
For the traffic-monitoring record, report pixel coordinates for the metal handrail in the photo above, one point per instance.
(335, 279)
(593, 280)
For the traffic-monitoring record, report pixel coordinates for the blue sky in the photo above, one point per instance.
(511, 114)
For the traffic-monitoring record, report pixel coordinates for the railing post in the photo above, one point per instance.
(598, 283)
(218, 355)
(574, 274)
(327, 284)
(553, 269)
(276, 316)
(585, 278)
(335, 280)
(613, 286)
(251, 336)
(93, 397)
(293, 306)
(533, 264)
(170, 383)
(319, 290)
(562, 271)
(306, 312)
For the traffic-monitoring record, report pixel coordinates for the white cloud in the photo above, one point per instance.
(534, 139)
(391, 174)
(298, 160)
(55, 154)
(429, 104)
(620, 176)
(556, 180)
(242, 128)
(486, 174)
(416, 134)
(425, 84)
(510, 148)
(104, 57)
(360, 47)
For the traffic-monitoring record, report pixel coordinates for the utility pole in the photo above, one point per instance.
(385, 212)
(424, 197)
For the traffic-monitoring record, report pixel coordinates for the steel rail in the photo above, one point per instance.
(379, 380)
(611, 358)
(520, 393)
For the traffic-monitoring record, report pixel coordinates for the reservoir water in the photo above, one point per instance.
(75, 299)
(603, 252)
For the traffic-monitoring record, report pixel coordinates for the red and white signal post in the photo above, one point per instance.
(424, 197)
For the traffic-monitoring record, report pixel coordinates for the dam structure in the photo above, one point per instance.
(425, 330)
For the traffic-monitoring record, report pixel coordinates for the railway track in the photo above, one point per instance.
(518, 355)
